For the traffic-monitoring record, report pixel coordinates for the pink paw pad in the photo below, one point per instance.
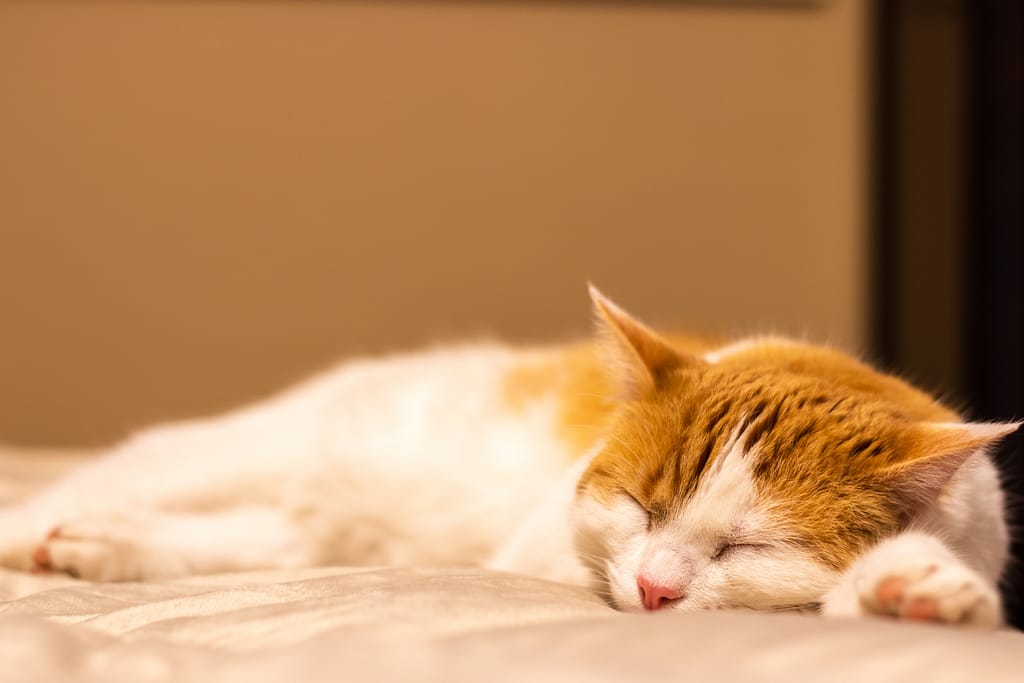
(890, 594)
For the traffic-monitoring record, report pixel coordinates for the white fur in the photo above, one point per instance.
(737, 347)
(144, 544)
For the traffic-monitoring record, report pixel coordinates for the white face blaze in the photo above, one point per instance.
(720, 549)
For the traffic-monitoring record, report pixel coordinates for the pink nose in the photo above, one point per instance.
(654, 596)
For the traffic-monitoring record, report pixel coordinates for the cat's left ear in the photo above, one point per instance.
(641, 359)
(937, 450)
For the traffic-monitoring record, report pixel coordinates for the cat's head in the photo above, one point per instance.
(752, 476)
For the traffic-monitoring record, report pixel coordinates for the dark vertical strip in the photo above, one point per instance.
(996, 335)
(884, 238)
(995, 255)
(920, 99)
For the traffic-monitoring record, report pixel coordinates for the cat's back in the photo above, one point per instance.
(469, 436)
(467, 403)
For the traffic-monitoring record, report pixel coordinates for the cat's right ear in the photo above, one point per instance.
(641, 359)
(935, 452)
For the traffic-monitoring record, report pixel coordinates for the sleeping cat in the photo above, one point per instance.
(665, 472)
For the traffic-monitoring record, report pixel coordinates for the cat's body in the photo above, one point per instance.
(764, 474)
(400, 460)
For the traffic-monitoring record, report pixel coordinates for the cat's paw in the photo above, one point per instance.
(916, 586)
(103, 549)
(947, 593)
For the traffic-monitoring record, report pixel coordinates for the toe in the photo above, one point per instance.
(41, 557)
(922, 609)
(889, 592)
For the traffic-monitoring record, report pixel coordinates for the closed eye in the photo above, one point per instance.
(639, 505)
(726, 548)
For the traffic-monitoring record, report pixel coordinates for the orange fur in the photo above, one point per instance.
(578, 378)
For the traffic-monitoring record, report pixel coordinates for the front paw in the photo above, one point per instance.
(100, 549)
(81, 553)
(947, 593)
(918, 589)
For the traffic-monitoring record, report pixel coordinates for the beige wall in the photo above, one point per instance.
(200, 201)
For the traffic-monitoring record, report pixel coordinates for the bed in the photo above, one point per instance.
(433, 624)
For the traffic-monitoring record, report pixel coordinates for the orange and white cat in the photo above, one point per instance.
(665, 472)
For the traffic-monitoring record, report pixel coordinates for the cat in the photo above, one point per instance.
(665, 472)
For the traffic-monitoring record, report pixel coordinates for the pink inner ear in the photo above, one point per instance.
(641, 357)
(942, 449)
(923, 482)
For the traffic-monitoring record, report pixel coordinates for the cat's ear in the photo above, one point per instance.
(937, 450)
(641, 359)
